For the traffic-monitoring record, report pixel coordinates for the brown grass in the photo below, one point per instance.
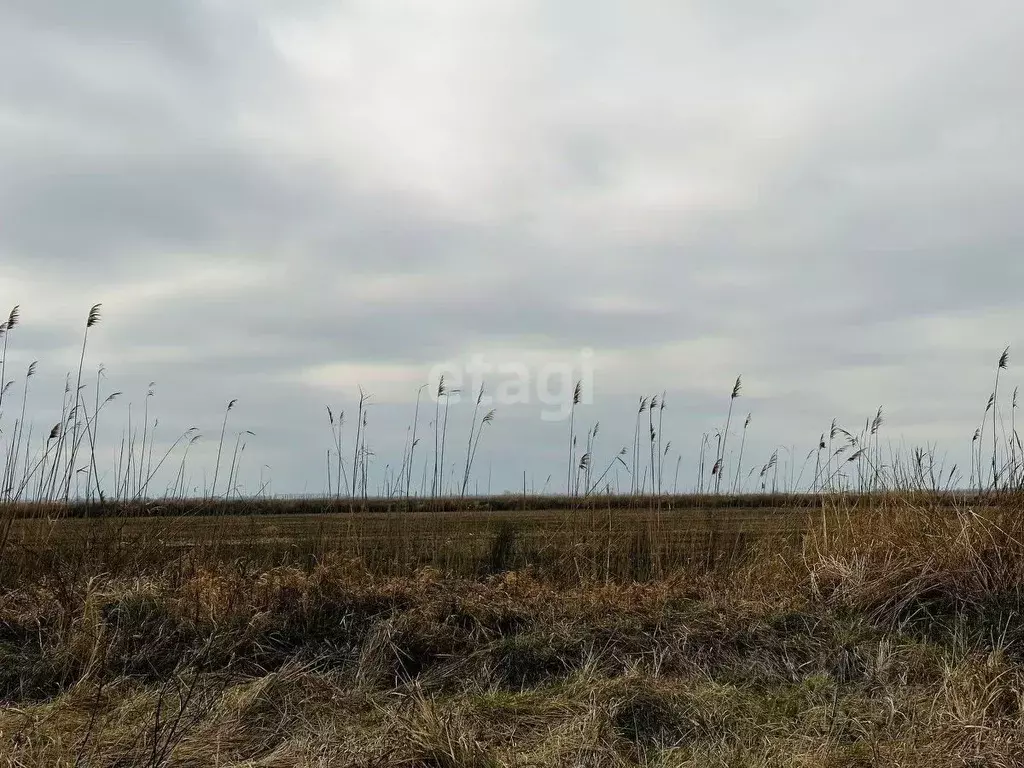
(869, 634)
(823, 629)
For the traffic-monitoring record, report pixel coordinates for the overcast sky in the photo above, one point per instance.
(279, 202)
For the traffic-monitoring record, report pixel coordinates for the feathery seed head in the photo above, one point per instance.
(94, 316)
(877, 422)
(736, 388)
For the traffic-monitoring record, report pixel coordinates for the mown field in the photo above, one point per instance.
(840, 631)
(610, 541)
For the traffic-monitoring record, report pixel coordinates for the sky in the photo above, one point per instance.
(281, 203)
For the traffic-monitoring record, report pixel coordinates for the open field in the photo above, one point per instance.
(851, 632)
(603, 538)
(626, 542)
(438, 385)
(864, 612)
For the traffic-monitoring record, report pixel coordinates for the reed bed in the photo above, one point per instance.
(866, 615)
(64, 462)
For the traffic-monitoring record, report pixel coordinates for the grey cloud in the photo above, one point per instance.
(137, 141)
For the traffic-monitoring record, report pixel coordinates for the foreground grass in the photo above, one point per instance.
(888, 634)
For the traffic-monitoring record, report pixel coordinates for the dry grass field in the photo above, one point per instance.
(868, 614)
(613, 540)
(840, 632)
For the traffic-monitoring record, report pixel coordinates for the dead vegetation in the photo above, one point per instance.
(865, 613)
(887, 634)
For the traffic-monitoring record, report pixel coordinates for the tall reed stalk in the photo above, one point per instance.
(661, 452)
(1013, 440)
(728, 420)
(1003, 360)
(337, 427)
(487, 419)
(91, 320)
(653, 437)
(442, 391)
(876, 425)
(634, 483)
(444, 435)
(981, 435)
(360, 424)
(220, 446)
(15, 453)
(414, 442)
(739, 462)
(473, 427)
(5, 332)
(577, 394)
(141, 469)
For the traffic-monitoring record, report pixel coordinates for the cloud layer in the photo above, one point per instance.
(282, 203)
